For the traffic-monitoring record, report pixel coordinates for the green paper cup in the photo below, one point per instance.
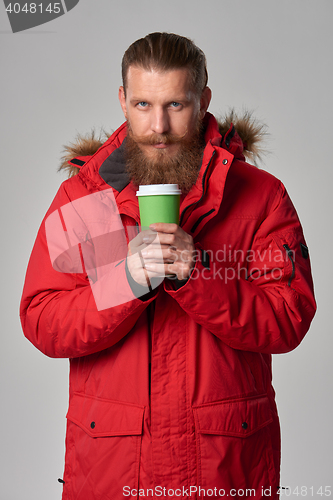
(159, 203)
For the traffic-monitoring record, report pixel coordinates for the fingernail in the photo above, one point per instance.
(152, 226)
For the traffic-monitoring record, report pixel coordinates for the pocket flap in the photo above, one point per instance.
(239, 418)
(102, 417)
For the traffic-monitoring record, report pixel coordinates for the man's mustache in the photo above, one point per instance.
(153, 139)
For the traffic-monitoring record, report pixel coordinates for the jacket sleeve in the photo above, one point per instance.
(266, 302)
(66, 309)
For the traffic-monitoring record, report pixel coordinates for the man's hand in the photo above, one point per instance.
(170, 251)
(135, 262)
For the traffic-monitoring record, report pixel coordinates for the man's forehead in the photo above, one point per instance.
(151, 79)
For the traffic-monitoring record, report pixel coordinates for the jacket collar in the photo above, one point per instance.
(203, 201)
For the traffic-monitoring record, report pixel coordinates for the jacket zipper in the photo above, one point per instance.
(290, 255)
(203, 192)
(196, 224)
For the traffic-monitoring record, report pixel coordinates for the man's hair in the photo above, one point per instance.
(164, 52)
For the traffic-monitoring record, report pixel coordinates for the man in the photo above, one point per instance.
(170, 330)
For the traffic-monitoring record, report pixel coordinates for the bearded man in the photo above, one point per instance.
(169, 331)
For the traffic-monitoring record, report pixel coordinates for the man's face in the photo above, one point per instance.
(162, 108)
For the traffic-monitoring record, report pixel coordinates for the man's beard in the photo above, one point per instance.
(181, 168)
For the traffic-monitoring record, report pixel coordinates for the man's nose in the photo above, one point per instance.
(159, 121)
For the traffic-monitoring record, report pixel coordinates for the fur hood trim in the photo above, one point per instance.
(83, 146)
(251, 131)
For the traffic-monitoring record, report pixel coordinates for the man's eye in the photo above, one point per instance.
(175, 104)
(142, 104)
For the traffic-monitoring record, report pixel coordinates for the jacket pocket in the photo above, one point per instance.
(102, 448)
(234, 445)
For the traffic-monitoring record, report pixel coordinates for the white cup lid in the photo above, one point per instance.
(158, 189)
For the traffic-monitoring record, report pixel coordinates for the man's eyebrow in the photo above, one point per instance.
(138, 99)
(179, 98)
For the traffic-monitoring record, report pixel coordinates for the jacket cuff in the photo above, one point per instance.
(176, 283)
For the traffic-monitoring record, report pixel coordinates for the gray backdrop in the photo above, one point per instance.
(62, 78)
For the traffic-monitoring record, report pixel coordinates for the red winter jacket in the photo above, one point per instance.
(170, 393)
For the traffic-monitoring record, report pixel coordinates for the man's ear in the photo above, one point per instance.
(122, 100)
(204, 101)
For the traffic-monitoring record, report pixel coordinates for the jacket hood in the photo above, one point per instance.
(250, 130)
